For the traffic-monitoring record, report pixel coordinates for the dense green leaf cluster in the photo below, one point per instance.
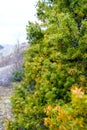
(55, 60)
(68, 116)
(17, 75)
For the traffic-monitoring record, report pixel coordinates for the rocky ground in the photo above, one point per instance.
(10, 59)
(6, 75)
(5, 107)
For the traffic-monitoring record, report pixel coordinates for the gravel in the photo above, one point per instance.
(5, 106)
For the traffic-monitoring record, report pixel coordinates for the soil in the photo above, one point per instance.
(5, 106)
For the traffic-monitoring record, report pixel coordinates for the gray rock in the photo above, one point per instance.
(6, 75)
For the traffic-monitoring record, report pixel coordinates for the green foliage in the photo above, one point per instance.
(17, 75)
(34, 32)
(54, 62)
(68, 116)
